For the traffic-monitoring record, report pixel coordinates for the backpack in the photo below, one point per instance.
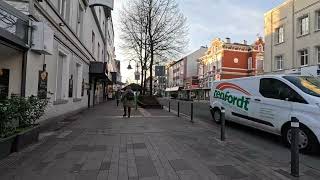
(130, 96)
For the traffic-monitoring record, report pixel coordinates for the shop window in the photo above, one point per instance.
(4, 83)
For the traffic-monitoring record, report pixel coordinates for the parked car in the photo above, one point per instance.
(269, 102)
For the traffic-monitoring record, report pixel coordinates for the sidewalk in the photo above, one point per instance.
(153, 144)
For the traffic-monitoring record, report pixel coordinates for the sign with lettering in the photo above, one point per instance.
(43, 84)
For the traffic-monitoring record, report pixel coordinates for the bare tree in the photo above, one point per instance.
(154, 29)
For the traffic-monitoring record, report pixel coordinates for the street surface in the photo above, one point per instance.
(152, 145)
(259, 140)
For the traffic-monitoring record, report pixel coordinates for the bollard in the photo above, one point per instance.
(169, 106)
(295, 147)
(191, 113)
(178, 109)
(223, 124)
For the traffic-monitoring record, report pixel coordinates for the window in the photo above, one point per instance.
(62, 79)
(99, 14)
(318, 20)
(304, 57)
(98, 59)
(260, 48)
(63, 9)
(93, 42)
(276, 89)
(318, 54)
(279, 62)
(280, 35)
(250, 63)
(78, 81)
(308, 84)
(304, 25)
(79, 21)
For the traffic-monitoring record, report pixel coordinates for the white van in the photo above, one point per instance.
(268, 103)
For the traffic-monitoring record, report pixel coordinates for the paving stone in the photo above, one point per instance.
(123, 150)
(133, 178)
(86, 175)
(105, 165)
(179, 165)
(76, 168)
(145, 167)
(228, 171)
(102, 175)
(139, 146)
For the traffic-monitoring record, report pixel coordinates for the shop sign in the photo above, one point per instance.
(43, 84)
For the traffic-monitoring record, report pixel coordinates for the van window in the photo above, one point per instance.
(276, 89)
(308, 84)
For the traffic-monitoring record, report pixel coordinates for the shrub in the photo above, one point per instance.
(19, 113)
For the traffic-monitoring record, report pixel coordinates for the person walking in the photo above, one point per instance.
(128, 101)
(118, 96)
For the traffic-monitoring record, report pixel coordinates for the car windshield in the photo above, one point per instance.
(308, 84)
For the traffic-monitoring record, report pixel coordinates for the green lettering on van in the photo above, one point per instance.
(240, 102)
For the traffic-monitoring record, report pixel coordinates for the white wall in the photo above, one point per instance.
(192, 62)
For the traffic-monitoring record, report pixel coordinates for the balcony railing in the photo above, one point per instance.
(13, 25)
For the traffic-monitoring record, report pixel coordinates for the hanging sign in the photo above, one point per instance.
(43, 84)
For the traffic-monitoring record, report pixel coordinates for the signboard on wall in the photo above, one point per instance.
(43, 84)
(4, 83)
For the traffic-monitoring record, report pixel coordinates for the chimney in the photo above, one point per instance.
(228, 40)
(245, 42)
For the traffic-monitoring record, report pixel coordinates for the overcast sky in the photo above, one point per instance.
(207, 19)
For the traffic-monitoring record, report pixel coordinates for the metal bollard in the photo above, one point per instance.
(295, 146)
(178, 109)
(223, 124)
(169, 106)
(191, 113)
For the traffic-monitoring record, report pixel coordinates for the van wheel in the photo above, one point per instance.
(308, 142)
(216, 115)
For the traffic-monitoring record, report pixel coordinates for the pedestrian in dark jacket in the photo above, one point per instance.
(128, 101)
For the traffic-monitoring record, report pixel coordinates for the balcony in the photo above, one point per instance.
(14, 25)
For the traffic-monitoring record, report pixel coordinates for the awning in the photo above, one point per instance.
(173, 89)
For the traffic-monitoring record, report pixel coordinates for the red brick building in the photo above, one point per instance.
(227, 60)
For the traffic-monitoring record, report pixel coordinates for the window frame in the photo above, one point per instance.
(305, 57)
(280, 36)
(290, 91)
(317, 20)
(93, 42)
(318, 54)
(80, 14)
(279, 61)
(303, 30)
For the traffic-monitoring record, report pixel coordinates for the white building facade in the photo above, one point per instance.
(71, 46)
(292, 38)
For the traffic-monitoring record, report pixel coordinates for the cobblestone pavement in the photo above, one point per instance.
(153, 144)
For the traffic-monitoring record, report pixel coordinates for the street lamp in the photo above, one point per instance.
(129, 66)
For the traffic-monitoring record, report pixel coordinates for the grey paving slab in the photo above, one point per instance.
(228, 171)
(145, 167)
(180, 165)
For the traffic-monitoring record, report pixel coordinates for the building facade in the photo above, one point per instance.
(68, 50)
(181, 74)
(292, 38)
(227, 60)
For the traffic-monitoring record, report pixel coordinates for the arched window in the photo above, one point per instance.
(260, 48)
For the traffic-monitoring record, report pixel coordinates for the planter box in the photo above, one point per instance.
(26, 138)
(6, 146)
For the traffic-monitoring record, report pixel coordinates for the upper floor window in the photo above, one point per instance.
(93, 42)
(79, 21)
(260, 48)
(317, 20)
(98, 52)
(318, 54)
(279, 62)
(63, 9)
(280, 35)
(250, 63)
(304, 25)
(304, 57)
